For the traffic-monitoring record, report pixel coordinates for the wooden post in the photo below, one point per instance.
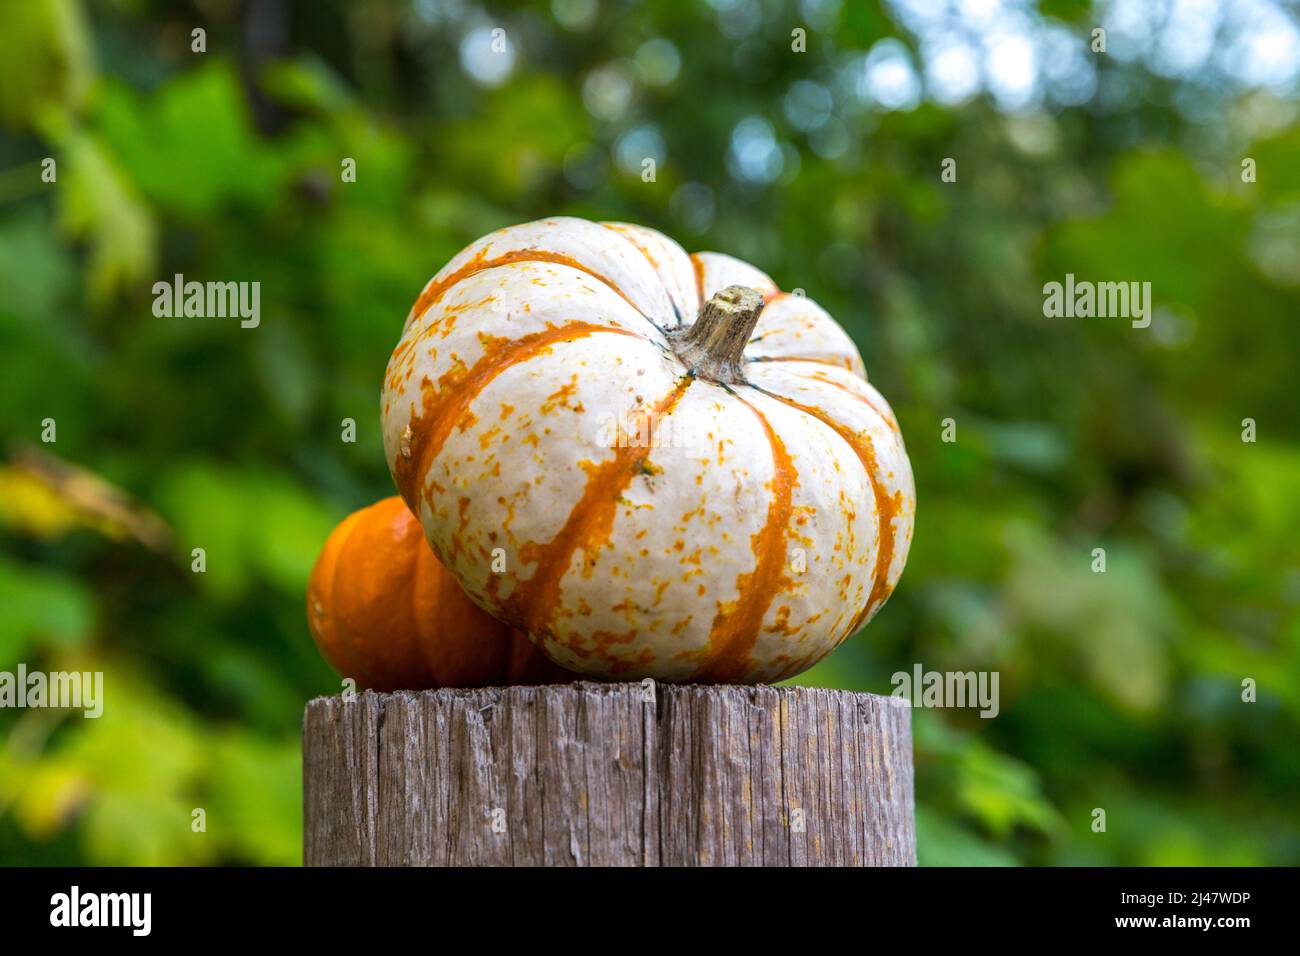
(609, 774)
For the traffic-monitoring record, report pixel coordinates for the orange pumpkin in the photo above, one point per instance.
(384, 611)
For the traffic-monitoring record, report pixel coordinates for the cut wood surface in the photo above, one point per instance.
(588, 774)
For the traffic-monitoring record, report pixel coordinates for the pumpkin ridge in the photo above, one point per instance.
(406, 528)
(645, 254)
(370, 580)
(821, 377)
(444, 404)
(887, 419)
(886, 505)
(590, 523)
(734, 634)
(437, 289)
(796, 358)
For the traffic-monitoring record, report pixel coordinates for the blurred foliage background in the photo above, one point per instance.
(1120, 690)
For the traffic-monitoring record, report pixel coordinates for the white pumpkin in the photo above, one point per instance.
(604, 456)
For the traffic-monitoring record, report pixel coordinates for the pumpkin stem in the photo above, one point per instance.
(712, 348)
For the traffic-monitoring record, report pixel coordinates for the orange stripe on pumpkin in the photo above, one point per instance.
(633, 237)
(735, 630)
(698, 264)
(590, 522)
(445, 403)
(435, 290)
(887, 505)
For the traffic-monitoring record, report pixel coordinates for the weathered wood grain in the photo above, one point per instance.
(609, 775)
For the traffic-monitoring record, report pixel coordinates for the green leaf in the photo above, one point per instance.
(42, 610)
(941, 842)
(191, 148)
(46, 62)
(255, 799)
(97, 203)
(252, 526)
